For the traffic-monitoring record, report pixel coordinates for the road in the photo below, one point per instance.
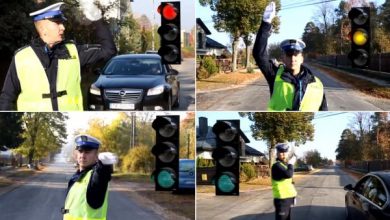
(43, 196)
(255, 96)
(187, 84)
(320, 197)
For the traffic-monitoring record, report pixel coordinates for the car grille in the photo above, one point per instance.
(123, 95)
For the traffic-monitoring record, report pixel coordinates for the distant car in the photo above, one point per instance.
(369, 198)
(135, 82)
(187, 175)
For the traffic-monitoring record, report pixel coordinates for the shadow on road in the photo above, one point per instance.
(302, 212)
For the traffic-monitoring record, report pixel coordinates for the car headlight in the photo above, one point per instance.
(156, 90)
(94, 90)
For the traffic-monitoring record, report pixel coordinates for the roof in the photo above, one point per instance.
(124, 56)
(253, 152)
(203, 26)
(210, 43)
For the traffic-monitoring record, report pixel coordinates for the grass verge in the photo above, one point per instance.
(183, 205)
(362, 85)
(222, 80)
(132, 177)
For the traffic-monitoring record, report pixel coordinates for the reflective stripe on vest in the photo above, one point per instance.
(77, 205)
(34, 84)
(283, 95)
(282, 189)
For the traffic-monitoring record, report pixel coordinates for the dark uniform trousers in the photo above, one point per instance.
(283, 208)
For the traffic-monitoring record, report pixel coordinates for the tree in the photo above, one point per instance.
(346, 149)
(187, 136)
(129, 36)
(11, 129)
(229, 18)
(280, 127)
(44, 133)
(313, 157)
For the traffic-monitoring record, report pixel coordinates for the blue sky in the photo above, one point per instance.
(293, 21)
(146, 7)
(326, 137)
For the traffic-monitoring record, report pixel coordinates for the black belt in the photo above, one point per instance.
(54, 95)
(64, 211)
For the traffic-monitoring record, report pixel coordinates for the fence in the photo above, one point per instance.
(369, 166)
(378, 62)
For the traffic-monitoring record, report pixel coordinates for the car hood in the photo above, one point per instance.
(134, 81)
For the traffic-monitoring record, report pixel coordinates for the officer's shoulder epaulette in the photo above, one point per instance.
(69, 42)
(20, 49)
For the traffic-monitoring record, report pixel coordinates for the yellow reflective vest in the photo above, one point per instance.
(283, 189)
(35, 89)
(284, 92)
(77, 205)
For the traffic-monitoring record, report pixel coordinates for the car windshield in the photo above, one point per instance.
(186, 166)
(134, 66)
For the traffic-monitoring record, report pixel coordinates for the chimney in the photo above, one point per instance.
(203, 127)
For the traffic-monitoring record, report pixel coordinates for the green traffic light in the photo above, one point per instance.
(165, 179)
(225, 183)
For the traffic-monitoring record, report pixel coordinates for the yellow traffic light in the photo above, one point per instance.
(360, 37)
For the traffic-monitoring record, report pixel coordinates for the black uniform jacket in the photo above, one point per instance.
(98, 185)
(269, 69)
(279, 172)
(49, 60)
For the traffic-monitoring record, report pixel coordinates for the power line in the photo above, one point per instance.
(291, 7)
(326, 115)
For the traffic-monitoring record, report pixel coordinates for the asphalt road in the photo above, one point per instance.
(255, 96)
(43, 196)
(320, 197)
(187, 84)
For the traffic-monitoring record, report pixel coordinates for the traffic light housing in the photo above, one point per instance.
(170, 33)
(166, 151)
(360, 36)
(227, 157)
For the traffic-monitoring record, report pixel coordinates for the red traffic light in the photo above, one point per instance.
(168, 11)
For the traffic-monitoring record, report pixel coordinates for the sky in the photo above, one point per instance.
(293, 21)
(327, 134)
(187, 10)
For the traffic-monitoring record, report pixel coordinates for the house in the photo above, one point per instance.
(205, 45)
(206, 143)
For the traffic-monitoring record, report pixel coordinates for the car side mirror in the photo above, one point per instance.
(98, 71)
(348, 187)
(173, 72)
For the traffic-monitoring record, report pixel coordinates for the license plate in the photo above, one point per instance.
(121, 106)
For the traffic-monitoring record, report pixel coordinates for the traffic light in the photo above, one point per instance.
(166, 150)
(169, 31)
(360, 36)
(227, 157)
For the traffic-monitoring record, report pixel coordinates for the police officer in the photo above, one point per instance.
(283, 190)
(88, 188)
(293, 87)
(45, 76)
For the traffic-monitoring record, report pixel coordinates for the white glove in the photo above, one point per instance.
(292, 160)
(270, 12)
(90, 10)
(108, 158)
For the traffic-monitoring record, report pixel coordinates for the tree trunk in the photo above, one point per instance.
(247, 63)
(235, 45)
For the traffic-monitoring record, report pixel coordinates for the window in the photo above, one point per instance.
(375, 192)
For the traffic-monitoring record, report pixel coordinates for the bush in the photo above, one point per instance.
(209, 65)
(201, 73)
(250, 69)
(200, 162)
(248, 170)
(138, 160)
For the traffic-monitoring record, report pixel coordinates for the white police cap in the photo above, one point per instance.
(50, 12)
(282, 147)
(292, 44)
(85, 141)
